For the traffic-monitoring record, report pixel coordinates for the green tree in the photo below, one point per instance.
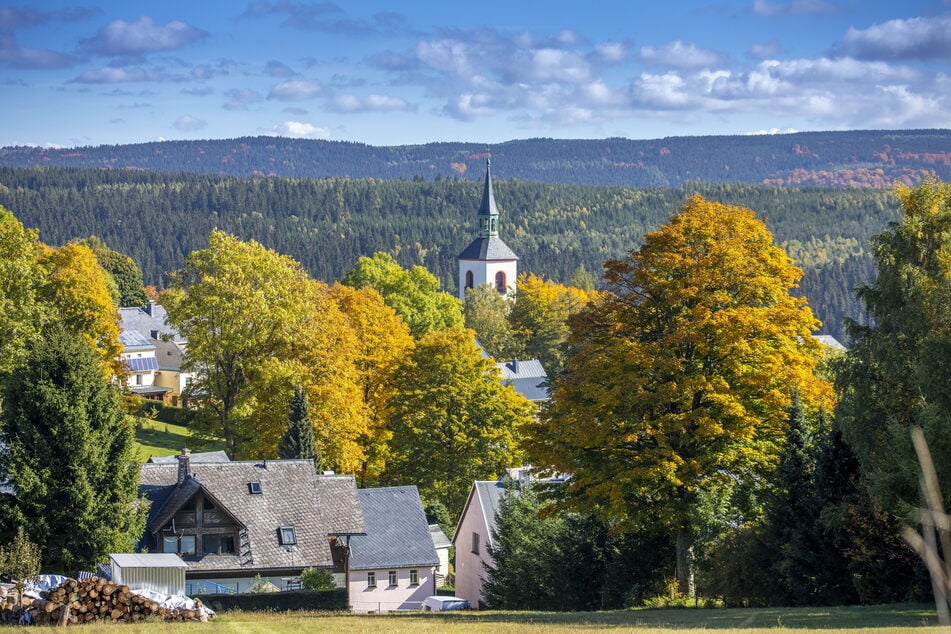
(298, 440)
(452, 419)
(678, 382)
(20, 561)
(413, 293)
(487, 313)
(317, 579)
(895, 374)
(124, 271)
(70, 456)
(21, 315)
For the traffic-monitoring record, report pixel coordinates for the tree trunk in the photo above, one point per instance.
(685, 579)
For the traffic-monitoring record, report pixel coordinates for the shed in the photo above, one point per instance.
(160, 572)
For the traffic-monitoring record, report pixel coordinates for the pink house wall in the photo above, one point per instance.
(384, 597)
(469, 570)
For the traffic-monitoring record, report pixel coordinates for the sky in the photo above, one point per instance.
(393, 73)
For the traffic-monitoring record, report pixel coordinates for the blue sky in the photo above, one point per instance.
(489, 71)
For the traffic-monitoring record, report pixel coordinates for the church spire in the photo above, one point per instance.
(488, 212)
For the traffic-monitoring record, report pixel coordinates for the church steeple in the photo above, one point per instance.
(488, 212)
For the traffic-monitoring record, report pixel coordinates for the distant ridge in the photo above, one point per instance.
(862, 158)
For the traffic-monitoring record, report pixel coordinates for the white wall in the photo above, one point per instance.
(483, 272)
(386, 598)
(469, 570)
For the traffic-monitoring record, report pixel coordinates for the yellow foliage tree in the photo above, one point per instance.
(383, 341)
(679, 380)
(77, 288)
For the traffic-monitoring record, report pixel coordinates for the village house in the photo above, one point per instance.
(153, 353)
(234, 521)
(393, 565)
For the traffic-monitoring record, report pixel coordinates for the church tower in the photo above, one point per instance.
(488, 260)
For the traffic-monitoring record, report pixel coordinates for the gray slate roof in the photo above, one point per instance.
(134, 340)
(148, 318)
(491, 248)
(439, 537)
(168, 355)
(527, 377)
(292, 495)
(830, 341)
(397, 535)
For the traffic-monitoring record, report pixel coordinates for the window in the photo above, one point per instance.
(475, 543)
(414, 577)
(170, 544)
(500, 282)
(470, 282)
(287, 536)
(218, 544)
(186, 545)
(138, 379)
(254, 488)
(371, 579)
(392, 575)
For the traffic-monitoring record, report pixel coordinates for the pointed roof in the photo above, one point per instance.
(487, 207)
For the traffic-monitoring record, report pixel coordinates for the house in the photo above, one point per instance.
(442, 545)
(163, 345)
(204, 456)
(831, 342)
(528, 377)
(474, 530)
(393, 565)
(232, 521)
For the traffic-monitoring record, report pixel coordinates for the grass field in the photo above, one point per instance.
(890, 618)
(156, 438)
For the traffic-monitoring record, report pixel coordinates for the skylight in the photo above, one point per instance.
(254, 488)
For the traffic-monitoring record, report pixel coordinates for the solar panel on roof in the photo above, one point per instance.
(142, 364)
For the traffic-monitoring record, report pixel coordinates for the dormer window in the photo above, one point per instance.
(287, 536)
(254, 488)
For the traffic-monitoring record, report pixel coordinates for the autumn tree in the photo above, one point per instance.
(413, 293)
(895, 375)
(70, 456)
(487, 313)
(383, 341)
(539, 318)
(76, 287)
(679, 379)
(124, 271)
(257, 326)
(452, 419)
(20, 561)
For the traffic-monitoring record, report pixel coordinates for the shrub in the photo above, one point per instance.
(317, 579)
(324, 600)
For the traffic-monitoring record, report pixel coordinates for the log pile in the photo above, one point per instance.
(93, 599)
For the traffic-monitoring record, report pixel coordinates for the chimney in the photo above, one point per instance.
(184, 465)
(150, 308)
(515, 366)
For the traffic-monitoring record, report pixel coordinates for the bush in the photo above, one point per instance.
(324, 600)
(157, 410)
(317, 579)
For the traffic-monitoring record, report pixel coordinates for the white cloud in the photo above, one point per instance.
(766, 50)
(914, 38)
(241, 98)
(678, 54)
(771, 131)
(142, 36)
(295, 90)
(114, 75)
(792, 7)
(188, 123)
(611, 51)
(300, 130)
(370, 103)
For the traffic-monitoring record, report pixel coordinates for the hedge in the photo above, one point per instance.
(322, 600)
(143, 407)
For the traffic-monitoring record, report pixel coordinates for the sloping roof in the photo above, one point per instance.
(292, 494)
(133, 339)
(146, 319)
(141, 364)
(487, 206)
(168, 355)
(490, 248)
(148, 560)
(439, 537)
(830, 341)
(202, 456)
(397, 535)
(527, 377)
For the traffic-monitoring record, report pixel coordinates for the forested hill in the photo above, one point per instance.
(842, 159)
(327, 224)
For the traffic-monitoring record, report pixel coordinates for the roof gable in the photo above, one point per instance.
(397, 535)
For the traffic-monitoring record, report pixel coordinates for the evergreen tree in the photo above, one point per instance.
(70, 456)
(298, 440)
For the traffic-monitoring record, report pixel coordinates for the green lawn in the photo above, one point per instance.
(889, 618)
(156, 438)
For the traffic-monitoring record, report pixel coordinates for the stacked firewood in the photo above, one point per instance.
(95, 599)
